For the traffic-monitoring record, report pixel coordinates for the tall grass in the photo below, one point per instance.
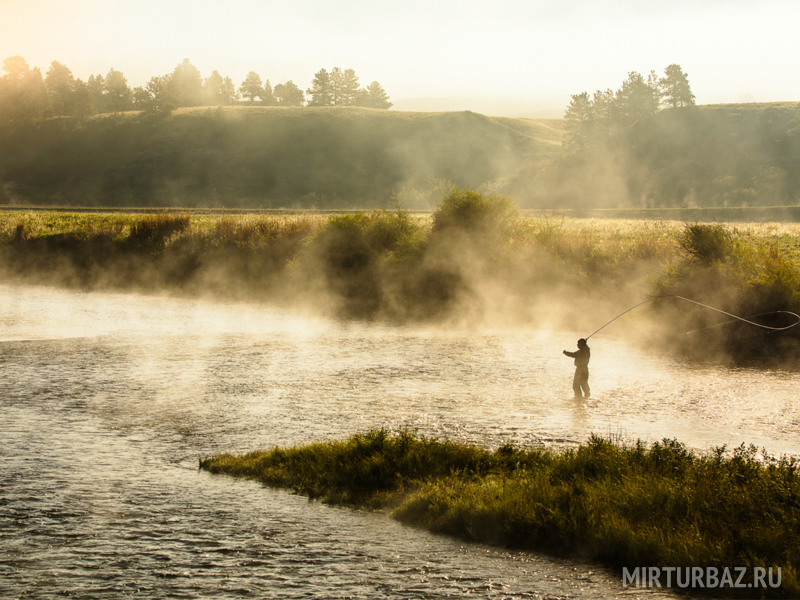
(661, 505)
(474, 258)
(159, 226)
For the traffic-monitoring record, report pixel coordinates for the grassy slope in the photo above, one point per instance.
(261, 156)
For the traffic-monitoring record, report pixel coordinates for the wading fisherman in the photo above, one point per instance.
(581, 380)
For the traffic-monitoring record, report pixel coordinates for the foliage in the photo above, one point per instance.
(706, 244)
(469, 211)
(288, 94)
(320, 90)
(26, 96)
(251, 87)
(675, 89)
(185, 85)
(340, 88)
(661, 505)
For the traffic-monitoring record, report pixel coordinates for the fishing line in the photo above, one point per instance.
(737, 318)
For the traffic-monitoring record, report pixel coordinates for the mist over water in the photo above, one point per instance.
(109, 399)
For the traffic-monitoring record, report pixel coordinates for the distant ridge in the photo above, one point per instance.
(524, 107)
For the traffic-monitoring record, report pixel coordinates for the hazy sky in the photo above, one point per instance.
(732, 50)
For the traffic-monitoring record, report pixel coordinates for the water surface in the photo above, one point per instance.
(108, 400)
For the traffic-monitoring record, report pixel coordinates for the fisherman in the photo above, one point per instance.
(581, 380)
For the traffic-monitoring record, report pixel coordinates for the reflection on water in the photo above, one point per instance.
(108, 400)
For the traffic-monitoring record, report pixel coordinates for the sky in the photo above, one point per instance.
(542, 50)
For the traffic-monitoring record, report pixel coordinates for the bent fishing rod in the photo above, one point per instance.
(737, 318)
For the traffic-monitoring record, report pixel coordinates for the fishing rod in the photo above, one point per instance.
(737, 318)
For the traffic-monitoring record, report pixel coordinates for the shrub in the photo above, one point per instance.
(469, 211)
(706, 244)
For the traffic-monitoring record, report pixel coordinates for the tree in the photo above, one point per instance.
(603, 107)
(251, 87)
(141, 98)
(96, 85)
(288, 94)
(158, 101)
(636, 100)
(229, 93)
(343, 86)
(219, 91)
(267, 97)
(17, 70)
(117, 93)
(186, 85)
(578, 114)
(23, 94)
(377, 97)
(320, 91)
(674, 86)
(579, 109)
(82, 105)
(61, 86)
(348, 88)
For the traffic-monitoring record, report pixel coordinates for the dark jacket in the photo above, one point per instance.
(581, 356)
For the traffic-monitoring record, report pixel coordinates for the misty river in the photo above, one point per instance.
(109, 399)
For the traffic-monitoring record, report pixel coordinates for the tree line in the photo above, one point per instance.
(639, 98)
(26, 94)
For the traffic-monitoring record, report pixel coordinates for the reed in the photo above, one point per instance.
(637, 505)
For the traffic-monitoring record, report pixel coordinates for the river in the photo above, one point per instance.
(109, 399)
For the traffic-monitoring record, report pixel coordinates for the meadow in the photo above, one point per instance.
(475, 260)
(632, 506)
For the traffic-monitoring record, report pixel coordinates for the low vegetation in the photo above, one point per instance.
(475, 259)
(631, 506)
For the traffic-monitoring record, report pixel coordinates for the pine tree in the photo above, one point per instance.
(674, 86)
(61, 87)
(320, 91)
(268, 97)
(251, 87)
(186, 85)
(288, 94)
(117, 93)
(377, 97)
(348, 91)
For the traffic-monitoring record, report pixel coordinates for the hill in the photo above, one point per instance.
(262, 156)
(715, 155)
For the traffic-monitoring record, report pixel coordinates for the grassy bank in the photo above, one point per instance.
(474, 260)
(661, 505)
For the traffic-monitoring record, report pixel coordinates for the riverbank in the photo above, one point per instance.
(626, 506)
(475, 261)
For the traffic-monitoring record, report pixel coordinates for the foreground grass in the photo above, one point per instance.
(661, 505)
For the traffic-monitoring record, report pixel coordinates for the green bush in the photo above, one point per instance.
(470, 211)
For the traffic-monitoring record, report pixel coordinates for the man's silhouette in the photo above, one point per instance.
(581, 380)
